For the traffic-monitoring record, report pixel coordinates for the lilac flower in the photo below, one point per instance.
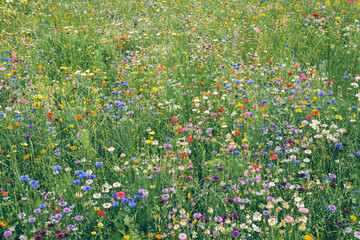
(79, 218)
(7, 233)
(331, 208)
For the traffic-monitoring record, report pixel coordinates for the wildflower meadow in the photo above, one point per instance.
(179, 119)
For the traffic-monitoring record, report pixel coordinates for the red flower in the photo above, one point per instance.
(220, 110)
(290, 73)
(180, 130)
(273, 157)
(182, 155)
(189, 139)
(100, 213)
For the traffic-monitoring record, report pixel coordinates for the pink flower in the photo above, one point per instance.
(247, 114)
(182, 236)
(304, 210)
(175, 119)
(120, 195)
(289, 219)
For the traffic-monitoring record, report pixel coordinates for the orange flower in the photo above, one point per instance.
(273, 157)
(316, 113)
(158, 236)
(4, 224)
(79, 117)
(4, 194)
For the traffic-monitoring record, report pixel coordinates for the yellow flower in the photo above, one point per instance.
(298, 110)
(338, 117)
(100, 225)
(10, 127)
(96, 208)
(353, 218)
(308, 237)
(127, 237)
(152, 133)
(93, 233)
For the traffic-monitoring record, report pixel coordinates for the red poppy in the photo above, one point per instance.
(316, 15)
(273, 157)
(237, 132)
(180, 130)
(220, 110)
(189, 139)
(182, 155)
(49, 114)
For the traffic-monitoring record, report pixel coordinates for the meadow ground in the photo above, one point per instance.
(179, 119)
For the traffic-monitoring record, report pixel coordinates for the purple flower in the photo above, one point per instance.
(67, 210)
(348, 230)
(332, 175)
(79, 218)
(331, 208)
(236, 232)
(197, 215)
(165, 196)
(37, 237)
(37, 210)
(32, 219)
(340, 224)
(7, 233)
(266, 213)
(60, 236)
(71, 227)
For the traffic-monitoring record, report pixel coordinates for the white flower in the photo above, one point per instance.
(257, 216)
(272, 222)
(97, 195)
(117, 184)
(107, 205)
(111, 149)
